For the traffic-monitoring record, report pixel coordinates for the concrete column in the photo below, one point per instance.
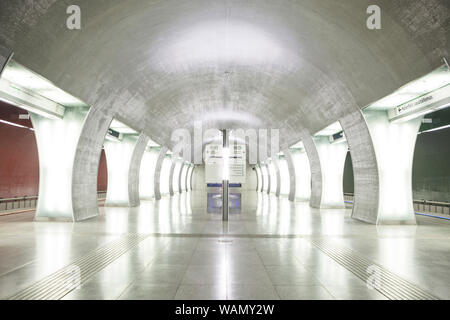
(159, 162)
(188, 173)
(332, 160)
(262, 177)
(290, 165)
(5, 55)
(191, 174)
(258, 177)
(124, 160)
(315, 199)
(394, 149)
(182, 178)
(266, 178)
(57, 141)
(135, 168)
(365, 167)
(302, 173)
(172, 170)
(87, 158)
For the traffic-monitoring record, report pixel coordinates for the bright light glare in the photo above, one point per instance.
(25, 78)
(147, 174)
(332, 160)
(394, 148)
(426, 84)
(57, 141)
(302, 175)
(118, 156)
(285, 184)
(164, 175)
(223, 41)
(273, 177)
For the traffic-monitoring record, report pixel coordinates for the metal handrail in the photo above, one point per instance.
(18, 198)
(421, 201)
(32, 197)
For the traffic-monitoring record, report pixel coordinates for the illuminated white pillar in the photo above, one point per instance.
(284, 181)
(302, 175)
(291, 173)
(182, 178)
(164, 179)
(147, 174)
(124, 158)
(276, 167)
(177, 163)
(332, 160)
(265, 177)
(158, 167)
(57, 141)
(394, 148)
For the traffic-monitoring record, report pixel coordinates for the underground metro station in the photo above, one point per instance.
(225, 150)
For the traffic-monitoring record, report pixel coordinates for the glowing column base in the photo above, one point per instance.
(147, 174)
(164, 179)
(118, 156)
(302, 175)
(176, 176)
(394, 148)
(273, 177)
(332, 160)
(265, 177)
(57, 140)
(284, 177)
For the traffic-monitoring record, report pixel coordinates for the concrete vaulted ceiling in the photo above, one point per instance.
(290, 65)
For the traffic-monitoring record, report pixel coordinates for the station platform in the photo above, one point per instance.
(175, 249)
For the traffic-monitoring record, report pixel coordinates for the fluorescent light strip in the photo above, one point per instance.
(436, 129)
(15, 125)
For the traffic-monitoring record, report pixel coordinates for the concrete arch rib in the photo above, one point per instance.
(87, 158)
(159, 162)
(316, 172)
(135, 166)
(172, 170)
(365, 170)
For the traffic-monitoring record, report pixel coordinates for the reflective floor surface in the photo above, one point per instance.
(264, 252)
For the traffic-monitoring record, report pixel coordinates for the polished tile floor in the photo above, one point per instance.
(264, 252)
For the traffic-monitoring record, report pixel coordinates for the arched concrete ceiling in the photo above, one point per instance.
(283, 64)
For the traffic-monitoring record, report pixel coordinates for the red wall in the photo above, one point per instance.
(102, 178)
(19, 162)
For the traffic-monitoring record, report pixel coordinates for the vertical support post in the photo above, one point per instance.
(225, 180)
